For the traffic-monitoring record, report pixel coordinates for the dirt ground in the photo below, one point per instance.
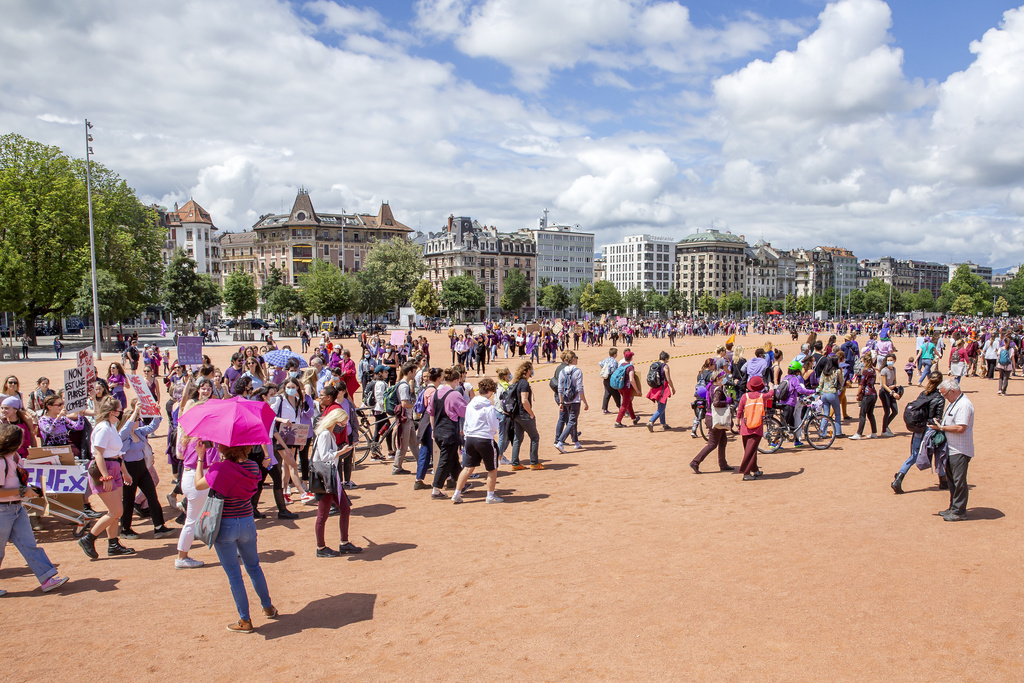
(616, 562)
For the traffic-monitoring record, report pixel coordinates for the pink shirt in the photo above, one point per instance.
(191, 457)
(454, 406)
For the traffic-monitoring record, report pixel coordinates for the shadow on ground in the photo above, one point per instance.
(332, 612)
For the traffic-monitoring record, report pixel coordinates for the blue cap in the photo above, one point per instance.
(381, 368)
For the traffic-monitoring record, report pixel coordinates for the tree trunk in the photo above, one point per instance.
(30, 328)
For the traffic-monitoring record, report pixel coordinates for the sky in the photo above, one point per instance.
(889, 129)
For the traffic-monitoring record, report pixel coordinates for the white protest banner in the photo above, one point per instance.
(85, 360)
(58, 478)
(294, 434)
(76, 392)
(146, 399)
(397, 337)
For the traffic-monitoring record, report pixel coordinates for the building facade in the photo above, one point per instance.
(600, 270)
(642, 261)
(909, 276)
(565, 255)
(191, 228)
(711, 261)
(762, 270)
(465, 246)
(238, 252)
(984, 272)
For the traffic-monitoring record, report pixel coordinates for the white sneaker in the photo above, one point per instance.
(577, 446)
(308, 499)
(888, 432)
(560, 447)
(871, 436)
(495, 499)
(855, 437)
(187, 563)
(456, 497)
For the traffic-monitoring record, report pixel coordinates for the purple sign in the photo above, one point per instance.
(190, 350)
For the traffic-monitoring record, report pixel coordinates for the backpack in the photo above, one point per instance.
(371, 398)
(782, 391)
(915, 415)
(568, 393)
(606, 370)
(392, 403)
(510, 400)
(1004, 356)
(553, 383)
(419, 407)
(753, 412)
(655, 378)
(618, 378)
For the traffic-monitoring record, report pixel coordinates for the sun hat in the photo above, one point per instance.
(755, 383)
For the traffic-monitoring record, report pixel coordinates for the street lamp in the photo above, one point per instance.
(92, 242)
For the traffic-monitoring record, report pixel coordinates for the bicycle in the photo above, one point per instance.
(366, 446)
(817, 428)
(700, 409)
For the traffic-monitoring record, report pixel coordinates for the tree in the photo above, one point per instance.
(186, 292)
(578, 292)
(601, 297)
(965, 283)
(461, 293)
(275, 279)
(1002, 306)
(634, 300)
(674, 301)
(924, 300)
(285, 302)
(240, 294)
(963, 305)
(115, 304)
(656, 302)
(390, 273)
(425, 299)
(556, 298)
(517, 291)
(326, 291)
(44, 231)
(706, 303)
(858, 302)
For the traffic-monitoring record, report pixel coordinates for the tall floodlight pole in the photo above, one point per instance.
(891, 274)
(92, 242)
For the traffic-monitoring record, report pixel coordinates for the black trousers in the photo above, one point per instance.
(304, 460)
(889, 409)
(867, 411)
(956, 475)
(609, 392)
(448, 464)
(141, 480)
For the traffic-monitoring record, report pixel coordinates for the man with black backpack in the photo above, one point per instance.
(377, 400)
(402, 410)
(570, 397)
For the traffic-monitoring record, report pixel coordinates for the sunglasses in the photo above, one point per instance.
(13, 381)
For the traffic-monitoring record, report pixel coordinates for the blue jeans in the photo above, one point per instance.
(915, 446)
(502, 433)
(237, 536)
(568, 417)
(15, 527)
(926, 367)
(659, 413)
(831, 404)
(425, 458)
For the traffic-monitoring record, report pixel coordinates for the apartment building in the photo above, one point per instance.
(642, 261)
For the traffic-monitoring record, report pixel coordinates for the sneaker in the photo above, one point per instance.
(118, 550)
(349, 549)
(872, 436)
(650, 427)
(90, 513)
(495, 499)
(456, 497)
(400, 470)
(438, 495)
(504, 461)
(2, 592)
(350, 485)
(180, 519)
(53, 582)
(798, 444)
(519, 467)
(129, 535)
(163, 532)
(241, 626)
(538, 466)
(560, 448)
(270, 612)
(749, 477)
(888, 432)
(855, 437)
(419, 486)
(308, 499)
(187, 563)
(577, 446)
(327, 552)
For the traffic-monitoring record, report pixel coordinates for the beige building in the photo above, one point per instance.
(191, 228)
(711, 261)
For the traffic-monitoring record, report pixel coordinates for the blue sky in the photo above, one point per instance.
(856, 123)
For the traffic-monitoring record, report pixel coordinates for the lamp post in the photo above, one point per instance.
(92, 243)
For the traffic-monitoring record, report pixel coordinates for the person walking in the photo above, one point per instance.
(608, 366)
(425, 427)
(448, 407)
(661, 392)
(925, 358)
(1004, 363)
(570, 397)
(326, 450)
(717, 434)
(957, 424)
(887, 392)
(106, 451)
(525, 420)
(751, 411)
(831, 386)
(234, 480)
(481, 429)
(403, 418)
(630, 387)
(135, 437)
(867, 396)
(990, 350)
(929, 405)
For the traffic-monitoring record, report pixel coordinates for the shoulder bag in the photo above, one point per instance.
(208, 524)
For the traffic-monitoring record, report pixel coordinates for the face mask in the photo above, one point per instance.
(338, 429)
(890, 363)
(292, 375)
(291, 391)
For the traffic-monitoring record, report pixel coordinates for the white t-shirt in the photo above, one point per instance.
(105, 437)
(960, 412)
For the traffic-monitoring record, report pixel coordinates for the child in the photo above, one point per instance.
(909, 369)
(14, 524)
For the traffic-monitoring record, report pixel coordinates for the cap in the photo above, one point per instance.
(628, 355)
(381, 368)
(755, 383)
(12, 402)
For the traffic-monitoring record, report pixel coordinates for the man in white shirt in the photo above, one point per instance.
(404, 420)
(958, 425)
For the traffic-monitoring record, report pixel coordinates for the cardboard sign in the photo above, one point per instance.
(530, 329)
(76, 390)
(294, 434)
(85, 360)
(557, 329)
(190, 350)
(58, 455)
(149, 406)
(622, 321)
(58, 478)
(397, 337)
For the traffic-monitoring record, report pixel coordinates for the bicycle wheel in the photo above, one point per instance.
(700, 424)
(774, 436)
(820, 431)
(364, 446)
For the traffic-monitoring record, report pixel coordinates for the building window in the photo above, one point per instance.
(188, 234)
(327, 250)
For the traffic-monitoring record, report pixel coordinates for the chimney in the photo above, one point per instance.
(451, 218)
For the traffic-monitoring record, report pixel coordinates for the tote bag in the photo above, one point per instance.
(721, 418)
(208, 524)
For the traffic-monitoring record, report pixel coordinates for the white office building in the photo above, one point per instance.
(565, 255)
(643, 261)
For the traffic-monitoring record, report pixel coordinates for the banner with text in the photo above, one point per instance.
(76, 390)
(190, 350)
(85, 360)
(58, 478)
(146, 398)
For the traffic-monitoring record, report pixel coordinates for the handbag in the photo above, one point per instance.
(321, 476)
(208, 524)
(721, 418)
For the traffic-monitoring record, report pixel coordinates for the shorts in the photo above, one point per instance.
(480, 451)
(114, 470)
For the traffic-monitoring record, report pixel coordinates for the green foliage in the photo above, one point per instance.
(285, 301)
(187, 293)
(674, 301)
(706, 303)
(963, 305)
(965, 283)
(923, 301)
(390, 274)
(326, 291)
(1002, 306)
(601, 297)
(461, 293)
(240, 294)
(115, 303)
(555, 298)
(425, 299)
(634, 301)
(516, 293)
(275, 279)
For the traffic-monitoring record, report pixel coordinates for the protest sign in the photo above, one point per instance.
(294, 434)
(190, 350)
(85, 360)
(58, 478)
(557, 328)
(397, 337)
(150, 408)
(52, 455)
(76, 394)
(534, 327)
(622, 321)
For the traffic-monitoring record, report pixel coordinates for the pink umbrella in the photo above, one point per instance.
(232, 422)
